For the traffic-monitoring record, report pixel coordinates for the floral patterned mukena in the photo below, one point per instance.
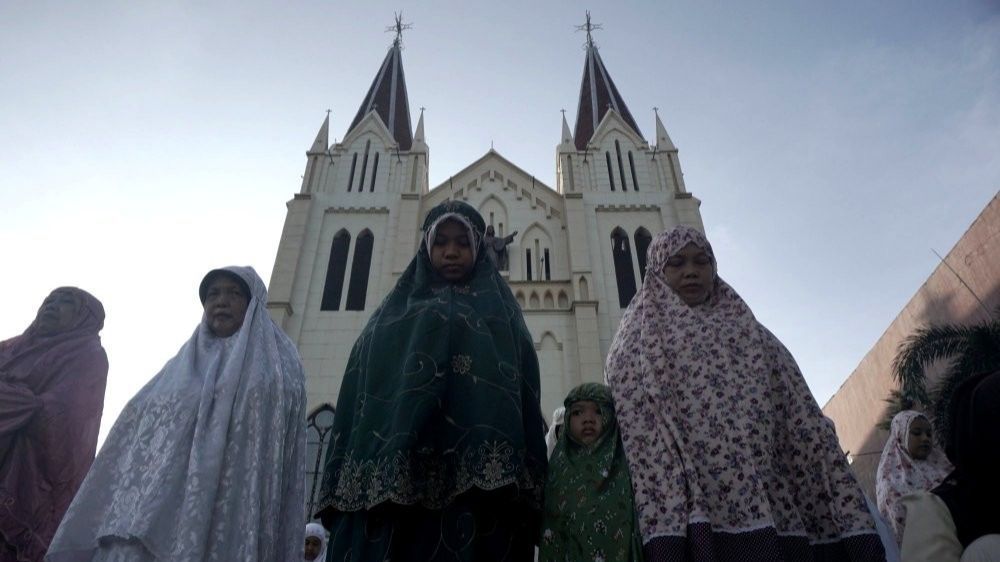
(900, 474)
(729, 454)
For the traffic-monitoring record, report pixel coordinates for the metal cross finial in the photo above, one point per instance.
(563, 111)
(656, 110)
(422, 108)
(328, 113)
(398, 28)
(589, 27)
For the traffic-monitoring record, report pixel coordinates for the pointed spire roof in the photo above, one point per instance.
(567, 137)
(419, 135)
(387, 98)
(598, 94)
(663, 141)
(322, 142)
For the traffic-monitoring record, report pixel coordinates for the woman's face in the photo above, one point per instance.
(585, 422)
(225, 306)
(313, 546)
(690, 274)
(920, 440)
(451, 251)
(57, 313)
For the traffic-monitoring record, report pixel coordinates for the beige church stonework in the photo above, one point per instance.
(572, 312)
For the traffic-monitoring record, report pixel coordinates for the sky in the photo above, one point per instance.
(833, 144)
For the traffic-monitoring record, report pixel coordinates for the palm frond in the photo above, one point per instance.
(925, 347)
(897, 403)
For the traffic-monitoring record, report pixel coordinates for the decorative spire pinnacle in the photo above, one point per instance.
(398, 27)
(322, 142)
(663, 141)
(419, 135)
(598, 93)
(387, 95)
(567, 136)
(589, 27)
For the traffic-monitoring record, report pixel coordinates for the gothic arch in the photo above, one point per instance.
(533, 300)
(621, 253)
(319, 424)
(360, 269)
(584, 289)
(563, 300)
(548, 342)
(520, 299)
(335, 269)
(537, 254)
(642, 240)
(494, 212)
(548, 301)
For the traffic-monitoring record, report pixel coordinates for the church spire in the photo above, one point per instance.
(419, 136)
(663, 141)
(598, 93)
(322, 142)
(567, 137)
(387, 94)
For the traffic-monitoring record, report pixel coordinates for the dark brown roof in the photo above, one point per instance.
(387, 97)
(597, 94)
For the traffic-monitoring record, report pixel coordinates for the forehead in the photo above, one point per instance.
(222, 281)
(690, 250)
(920, 423)
(451, 227)
(583, 404)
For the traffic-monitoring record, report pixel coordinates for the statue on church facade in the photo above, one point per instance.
(496, 248)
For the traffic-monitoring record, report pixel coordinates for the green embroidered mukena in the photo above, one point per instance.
(440, 400)
(589, 507)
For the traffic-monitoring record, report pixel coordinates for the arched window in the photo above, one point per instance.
(527, 259)
(335, 271)
(631, 164)
(642, 241)
(364, 167)
(621, 169)
(318, 426)
(545, 262)
(624, 274)
(611, 175)
(360, 267)
(354, 165)
(569, 173)
(374, 172)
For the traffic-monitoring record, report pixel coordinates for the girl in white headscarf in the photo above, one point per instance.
(910, 463)
(316, 540)
(206, 462)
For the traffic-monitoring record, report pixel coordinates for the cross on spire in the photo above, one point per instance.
(589, 27)
(398, 28)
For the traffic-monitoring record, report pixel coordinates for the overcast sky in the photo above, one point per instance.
(833, 144)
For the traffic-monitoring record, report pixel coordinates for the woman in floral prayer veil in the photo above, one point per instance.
(438, 446)
(52, 380)
(589, 510)
(910, 463)
(730, 456)
(207, 461)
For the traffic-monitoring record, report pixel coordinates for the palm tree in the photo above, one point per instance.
(967, 350)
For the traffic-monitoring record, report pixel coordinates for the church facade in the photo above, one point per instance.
(576, 260)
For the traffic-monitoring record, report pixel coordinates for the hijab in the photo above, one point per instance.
(900, 474)
(589, 511)
(727, 447)
(316, 530)
(51, 400)
(441, 391)
(552, 435)
(207, 460)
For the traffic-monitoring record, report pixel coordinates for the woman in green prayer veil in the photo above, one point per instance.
(589, 507)
(438, 450)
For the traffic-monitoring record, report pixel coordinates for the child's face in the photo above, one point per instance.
(451, 251)
(920, 441)
(585, 422)
(313, 546)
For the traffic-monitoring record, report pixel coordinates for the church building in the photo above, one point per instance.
(577, 259)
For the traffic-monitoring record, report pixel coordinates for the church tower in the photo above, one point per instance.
(576, 255)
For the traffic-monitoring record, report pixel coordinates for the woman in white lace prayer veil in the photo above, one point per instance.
(207, 461)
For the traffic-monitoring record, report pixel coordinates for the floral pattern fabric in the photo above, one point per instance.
(900, 474)
(729, 454)
(589, 511)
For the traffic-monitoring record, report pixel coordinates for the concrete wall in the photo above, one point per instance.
(859, 405)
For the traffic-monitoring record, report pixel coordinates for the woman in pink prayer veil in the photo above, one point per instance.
(52, 380)
(730, 456)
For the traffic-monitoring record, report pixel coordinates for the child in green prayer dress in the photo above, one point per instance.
(589, 508)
